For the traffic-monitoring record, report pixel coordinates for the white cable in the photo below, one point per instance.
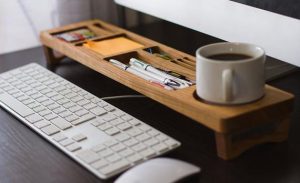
(122, 96)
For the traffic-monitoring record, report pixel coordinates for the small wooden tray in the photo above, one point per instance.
(237, 128)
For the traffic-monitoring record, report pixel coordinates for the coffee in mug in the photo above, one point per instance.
(230, 73)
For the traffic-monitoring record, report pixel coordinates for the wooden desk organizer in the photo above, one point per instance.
(236, 128)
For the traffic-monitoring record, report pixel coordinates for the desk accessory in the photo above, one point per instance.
(236, 128)
(230, 73)
(161, 170)
(97, 135)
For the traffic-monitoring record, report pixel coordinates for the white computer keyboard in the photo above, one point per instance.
(97, 135)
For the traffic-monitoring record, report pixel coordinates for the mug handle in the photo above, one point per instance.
(227, 85)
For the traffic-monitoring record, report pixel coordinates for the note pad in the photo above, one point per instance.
(112, 46)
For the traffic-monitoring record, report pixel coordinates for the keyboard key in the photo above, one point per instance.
(113, 158)
(53, 106)
(151, 142)
(88, 156)
(104, 126)
(69, 105)
(50, 116)
(47, 103)
(42, 99)
(98, 148)
(116, 121)
(134, 132)
(116, 167)
(41, 124)
(109, 108)
(171, 143)
(83, 102)
(45, 112)
(65, 114)
(79, 137)
(59, 110)
(75, 108)
(81, 112)
(33, 105)
(160, 147)
(143, 137)
(124, 126)
(122, 137)
(83, 119)
(50, 130)
(39, 108)
(134, 122)
(59, 137)
(33, 118)
(14, 104)
(118, 147)
(62, 101)
(89, 106)
(71, 118)
(138, 147)
(126, 152)
(110, 143)
(61, 123)
(99, 164)
(134, 158)
(66, 142)
(153, 132)
(109, 117)
(148, 153)
(73, 147)
(131, 142)
(112, 131)
(106, 152)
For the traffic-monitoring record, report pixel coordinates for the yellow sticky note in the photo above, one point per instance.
(112, 46)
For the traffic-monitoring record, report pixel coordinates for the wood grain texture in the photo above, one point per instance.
(221, 119)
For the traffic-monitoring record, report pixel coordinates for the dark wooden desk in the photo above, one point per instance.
(26, 157)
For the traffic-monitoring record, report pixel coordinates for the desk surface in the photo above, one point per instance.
(26, 157)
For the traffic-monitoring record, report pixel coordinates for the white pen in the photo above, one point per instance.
(139, 74)
(148, 67)
(166, 81)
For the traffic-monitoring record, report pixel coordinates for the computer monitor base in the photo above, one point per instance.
(236, 128)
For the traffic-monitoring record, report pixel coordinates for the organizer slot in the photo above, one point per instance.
(112, 45)
(100, 38)
(170, 69)
(104, 27)
(172, 56)
(125, 58)
(64, 36)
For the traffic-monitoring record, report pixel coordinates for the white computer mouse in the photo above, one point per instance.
(159, 170)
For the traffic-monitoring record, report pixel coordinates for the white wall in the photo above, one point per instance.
(21, 20)
(15, 30)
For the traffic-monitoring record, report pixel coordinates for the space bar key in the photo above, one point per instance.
(15, 105)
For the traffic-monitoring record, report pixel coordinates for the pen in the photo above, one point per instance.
(139, 74)
(148, 67)
(166, 81)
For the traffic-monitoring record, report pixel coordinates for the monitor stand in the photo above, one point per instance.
(275, 69)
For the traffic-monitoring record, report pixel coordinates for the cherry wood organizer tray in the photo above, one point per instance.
(237, 128)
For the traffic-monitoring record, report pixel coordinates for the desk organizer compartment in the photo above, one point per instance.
(233, 125)
(151, 60)
(113, 45)
(173, 56)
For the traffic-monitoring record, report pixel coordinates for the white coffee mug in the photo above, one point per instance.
(230, 73)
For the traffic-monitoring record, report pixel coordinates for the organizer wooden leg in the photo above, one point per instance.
(50, 56)
(230, 146)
